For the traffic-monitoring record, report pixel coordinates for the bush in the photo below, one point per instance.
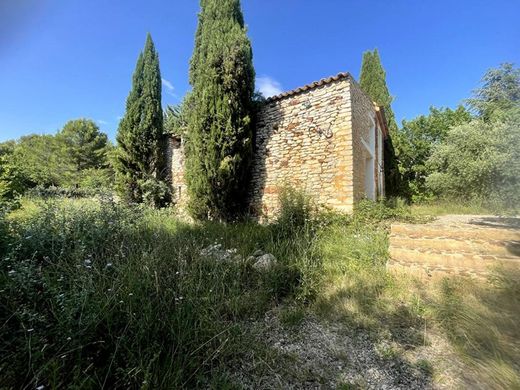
(42, 192)
(3, 230)
(480, 160)
(155, 193)
(368, 211)
(296, 211)
(95, 179)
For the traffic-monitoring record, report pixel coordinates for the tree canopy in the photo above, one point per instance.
(481, 159)
(86, 145)
(219, 137)
(140, 155)
(499, 92)
(416, 140)
(372, 80)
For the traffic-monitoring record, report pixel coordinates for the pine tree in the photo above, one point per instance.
(85, 143)
(373, 82)
(140, 155)
(219, 137)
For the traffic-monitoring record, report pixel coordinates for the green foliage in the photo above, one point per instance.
(297, 210)
(99, 294)
(4, 232)
(500, 92)
(33, 160)
(176, 118)
(85, 145)
(372, 80)
(368, 212)
(219, 137)
(140, 156)
(480, 160)
(75, 157)
(154, 192)
(416, 140)
(452, 155)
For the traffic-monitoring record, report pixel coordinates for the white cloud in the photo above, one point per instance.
(102, 122)
(268, 86)
(169, 87)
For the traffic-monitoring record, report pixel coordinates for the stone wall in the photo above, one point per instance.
(455, 244)
(365, 126)
(175, 160)
(308, 138)
(304, 141)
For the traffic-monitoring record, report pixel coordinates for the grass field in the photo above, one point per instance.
(96, 294)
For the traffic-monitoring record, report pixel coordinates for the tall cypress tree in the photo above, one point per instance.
(373, 82)
(139, 137)
(219, 137)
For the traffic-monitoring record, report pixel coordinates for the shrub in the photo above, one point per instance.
(480, 160)
(41, 192)
(368, 211)
(296, 210)
(3, 229)
(155, 192)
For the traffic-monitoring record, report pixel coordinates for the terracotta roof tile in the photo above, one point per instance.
(328, 80)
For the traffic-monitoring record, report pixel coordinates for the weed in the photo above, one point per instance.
(292, 315)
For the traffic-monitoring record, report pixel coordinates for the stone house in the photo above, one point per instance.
(325, 138)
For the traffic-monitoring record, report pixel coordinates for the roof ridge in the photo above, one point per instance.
(327, 80)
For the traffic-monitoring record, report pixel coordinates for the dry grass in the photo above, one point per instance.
(478, 318)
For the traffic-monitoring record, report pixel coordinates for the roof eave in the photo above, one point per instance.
(307, 87)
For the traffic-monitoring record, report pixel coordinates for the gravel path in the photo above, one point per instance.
(318, 355)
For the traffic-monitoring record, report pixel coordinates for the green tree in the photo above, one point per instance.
(33, 160)
(480, 159)
(416, 140)
(500, 92)
(372, 80)
(176, 118)
(85, 144)
(140, 164)
(219, 137)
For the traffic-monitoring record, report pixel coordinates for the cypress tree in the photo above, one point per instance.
(139, 137)
(219, 135)
(373, 82)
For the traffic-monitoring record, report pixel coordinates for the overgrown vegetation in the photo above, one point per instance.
(77, 157)
(140, 157)
(470, 155)
(103, 294)
(416, 141)
(220, 129)
(99, 294)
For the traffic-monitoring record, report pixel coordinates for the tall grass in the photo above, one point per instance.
(479, 318)
(481, 321)
(95, 294)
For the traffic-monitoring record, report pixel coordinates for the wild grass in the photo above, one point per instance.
(479, 318)
(99, 295)
(454, 206)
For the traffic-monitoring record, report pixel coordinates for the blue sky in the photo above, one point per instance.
(64, 59)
